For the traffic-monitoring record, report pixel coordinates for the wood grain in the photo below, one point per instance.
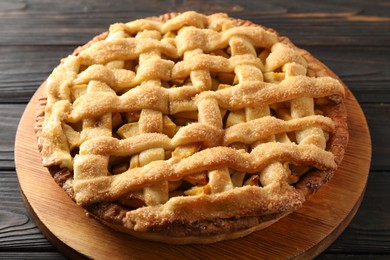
(17, 230)
(32, 255)
(379, 124)
(9, 117)
(370, 222)
(24, 68)
(302, 234)
(69, 23)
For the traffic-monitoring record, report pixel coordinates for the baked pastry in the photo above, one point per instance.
(187, 128)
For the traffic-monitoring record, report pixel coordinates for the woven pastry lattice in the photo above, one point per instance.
(196, 117)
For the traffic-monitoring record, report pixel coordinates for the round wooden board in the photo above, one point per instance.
(302, 234)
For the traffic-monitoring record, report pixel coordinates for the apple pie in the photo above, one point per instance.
(191, 128)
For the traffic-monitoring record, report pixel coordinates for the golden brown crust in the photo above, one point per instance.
(185, 225)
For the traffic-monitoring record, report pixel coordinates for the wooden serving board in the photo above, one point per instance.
(302, 234)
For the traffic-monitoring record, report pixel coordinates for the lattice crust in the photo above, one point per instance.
(189, 118)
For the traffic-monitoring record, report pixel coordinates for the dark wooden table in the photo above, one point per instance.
(351, 37)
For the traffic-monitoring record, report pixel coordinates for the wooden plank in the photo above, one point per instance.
(9, 119)
(24, 68)
(298, 31)
(32, 255)
(267, 7)
(315, 24)
(369, 231)
(377, 116)
(17, 230)
(366, 71)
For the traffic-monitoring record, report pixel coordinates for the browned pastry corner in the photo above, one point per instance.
(188, 128)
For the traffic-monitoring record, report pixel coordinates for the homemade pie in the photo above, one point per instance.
(187, 128)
